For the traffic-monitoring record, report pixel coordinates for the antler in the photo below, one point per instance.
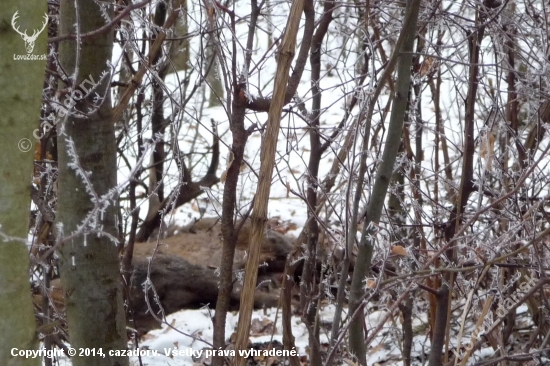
(24, 34)
(15, 27)
(35, 32)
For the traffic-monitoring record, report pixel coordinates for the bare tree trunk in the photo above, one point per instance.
(467, 175)
(229, 234)
(406, 309)
(383, 176)
(397, 213)
(440, 327)
(419, 240)
(86, 216)
(309, 286)
(466, 181)
(20, 99)
(158, 125)
(512, 112)
(435, 88)
(288, 338)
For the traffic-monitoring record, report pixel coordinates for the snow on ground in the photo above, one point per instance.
(191, 330)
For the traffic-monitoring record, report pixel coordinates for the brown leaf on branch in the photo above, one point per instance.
(399, 250)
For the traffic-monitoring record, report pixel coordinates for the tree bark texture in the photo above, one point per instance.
(86, 212)
(20, 99)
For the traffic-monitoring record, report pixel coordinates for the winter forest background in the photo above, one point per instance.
(378, 170)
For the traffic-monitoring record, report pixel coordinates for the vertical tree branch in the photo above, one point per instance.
(267, 157)
(383, 176)
(229, 234)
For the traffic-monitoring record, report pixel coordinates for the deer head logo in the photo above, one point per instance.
(29, 40)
